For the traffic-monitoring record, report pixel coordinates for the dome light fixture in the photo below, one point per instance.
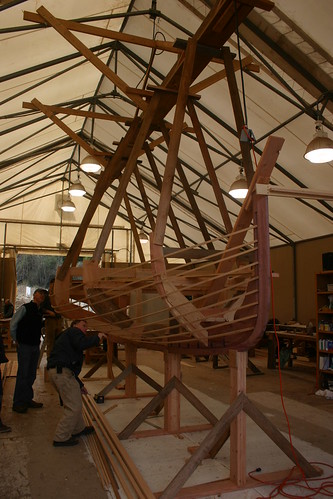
(143, 237)
(239, 188)
(77, 189)
(68, 206)
(90, 165)
(320, 149)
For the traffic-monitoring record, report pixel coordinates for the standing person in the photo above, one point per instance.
(64, 366)
(3, 358)
(25, 329)
(8, 310)
(54, 322)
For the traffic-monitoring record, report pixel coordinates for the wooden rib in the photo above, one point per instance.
(183, 310)
(264, 169)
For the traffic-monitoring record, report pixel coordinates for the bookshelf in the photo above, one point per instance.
(324, 316)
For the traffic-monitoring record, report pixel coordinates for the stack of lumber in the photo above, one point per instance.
(114, 465)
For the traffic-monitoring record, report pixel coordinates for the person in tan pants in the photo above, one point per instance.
(64, 366)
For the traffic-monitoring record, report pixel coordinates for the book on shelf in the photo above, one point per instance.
(325, 362)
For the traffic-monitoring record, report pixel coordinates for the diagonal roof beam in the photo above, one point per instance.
(90, 56)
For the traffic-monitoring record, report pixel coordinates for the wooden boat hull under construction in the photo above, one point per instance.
(209, 307)
(203, 305)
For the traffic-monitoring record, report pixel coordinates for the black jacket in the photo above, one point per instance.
(68, 349)
(30, 326)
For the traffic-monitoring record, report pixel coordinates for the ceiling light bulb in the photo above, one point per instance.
(143, 237)
(320, 149)
(239, 188)
(90, 165)
(77, 189)
(68, 206)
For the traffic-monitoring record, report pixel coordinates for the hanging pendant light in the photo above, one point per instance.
(320, 149)
(90, 165)
(239, 188)
(143, 237)
(77, 189)
(68, 206)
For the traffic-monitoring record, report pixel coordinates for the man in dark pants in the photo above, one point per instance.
(25, 329)
(64, 366)
(3, 359)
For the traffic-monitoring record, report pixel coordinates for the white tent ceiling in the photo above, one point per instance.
(282, 94)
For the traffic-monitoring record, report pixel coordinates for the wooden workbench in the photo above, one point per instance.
(294, 338)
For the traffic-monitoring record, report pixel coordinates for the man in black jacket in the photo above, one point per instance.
(3, 359)
(64, 366)
(25, 330)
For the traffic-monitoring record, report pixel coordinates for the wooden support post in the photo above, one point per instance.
(130, 383)
(172, 403)
(109, 356)
(238, 364)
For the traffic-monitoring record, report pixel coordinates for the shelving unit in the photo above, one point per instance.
(324, 312)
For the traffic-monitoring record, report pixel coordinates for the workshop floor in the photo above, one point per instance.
(32, 468)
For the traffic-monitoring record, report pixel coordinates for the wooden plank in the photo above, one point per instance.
(122, 376)
(130, 383)
(79, 112)
(144, 196)
(237, 365)
(47, 111)
(158, 181)
(171, 162)
(141, 136)
(220, 487)
(172, 402)
(147, 410)
(60, 27)
(134, 228)
(283, 443)
(127, 465)
(206, 445)
(210, 167)
(195, 402)
(108, 33)
(220, 75)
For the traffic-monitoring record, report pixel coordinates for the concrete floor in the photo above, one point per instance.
(32, 468)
